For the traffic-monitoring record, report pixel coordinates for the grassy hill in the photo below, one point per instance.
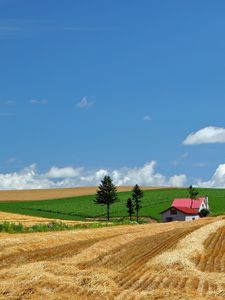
(83, 207)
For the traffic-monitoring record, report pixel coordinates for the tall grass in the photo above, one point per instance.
(11, 227)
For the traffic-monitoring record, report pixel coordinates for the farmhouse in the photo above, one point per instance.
(185, 209)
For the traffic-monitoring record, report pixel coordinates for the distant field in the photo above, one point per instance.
(43, 194)
(83, 207)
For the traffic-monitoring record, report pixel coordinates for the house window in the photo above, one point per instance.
(173, 211)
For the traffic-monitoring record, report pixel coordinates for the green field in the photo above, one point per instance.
(83, 207)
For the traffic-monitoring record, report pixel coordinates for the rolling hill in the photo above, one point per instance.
(83, 207)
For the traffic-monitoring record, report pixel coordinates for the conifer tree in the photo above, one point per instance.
(137, 194)
(130, 207)
(193, 193)
(106, 194)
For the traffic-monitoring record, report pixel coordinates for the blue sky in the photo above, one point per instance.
(108, 85)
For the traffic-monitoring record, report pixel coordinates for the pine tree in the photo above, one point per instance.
(130, 207)
(193, 193)
(137, 194)
(106, 194)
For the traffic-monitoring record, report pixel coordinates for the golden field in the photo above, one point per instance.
(43, 194)
(178, 260)
(31, 220)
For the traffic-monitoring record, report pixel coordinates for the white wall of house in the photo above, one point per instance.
(205, 204)
(190, 218)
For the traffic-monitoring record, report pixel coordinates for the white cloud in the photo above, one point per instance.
(85, 103)
(178, 180)
(100, 174)
(67, 172)
(206, 135)
(147, 118)
(30, 178)
(145, 175)
(24, 179)
(39, 101)
(217, 180)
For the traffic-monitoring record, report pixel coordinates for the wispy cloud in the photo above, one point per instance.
(182, 161)
(207, 135)
(25, 28)
(184, 155)
(39, 101)
(85, 103)
(9, 103)
(147, 118)
(84, 28)
(11, 160)
(188, 164)
(9, 28)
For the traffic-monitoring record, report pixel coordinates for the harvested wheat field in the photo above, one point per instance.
(178, 260)
(43, 194)
(30, 220)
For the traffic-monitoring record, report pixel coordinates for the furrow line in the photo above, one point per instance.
(211, 262)
(127, 277)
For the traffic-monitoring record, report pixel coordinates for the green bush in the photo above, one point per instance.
(11, 227)
(52, 226)
(204, 213)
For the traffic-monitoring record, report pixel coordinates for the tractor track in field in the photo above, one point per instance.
(135, 269)
(49, 253)
(130, 261)
(122, 257)
(121, 263)
(138, 277)
(214, 258)
(211, 260)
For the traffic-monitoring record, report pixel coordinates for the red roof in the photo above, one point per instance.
(187, 210)
(188, 202)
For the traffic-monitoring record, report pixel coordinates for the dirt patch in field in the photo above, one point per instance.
(43, 194)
